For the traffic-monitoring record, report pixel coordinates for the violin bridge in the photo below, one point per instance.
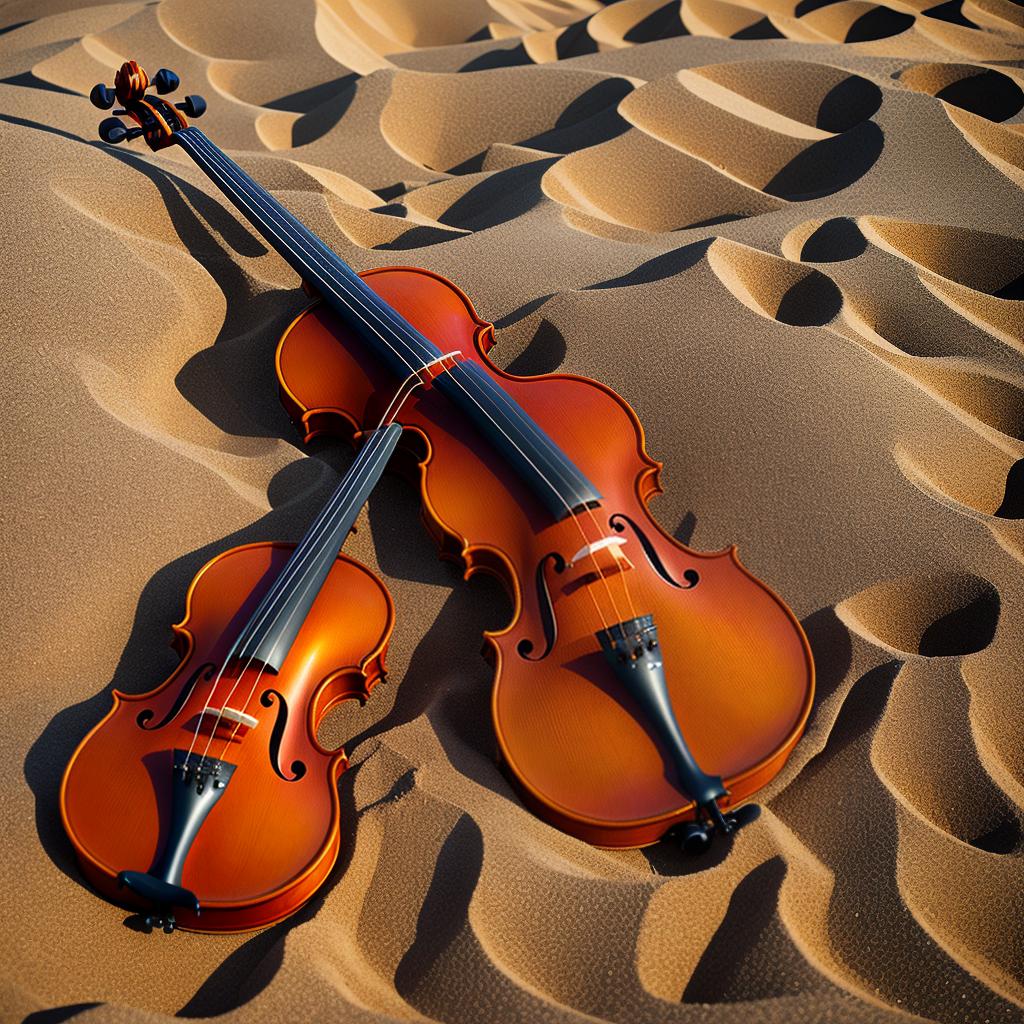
(601, 558)
(240, 722)
(612, 543)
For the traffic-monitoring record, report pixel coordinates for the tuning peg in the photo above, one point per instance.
(194, 106)
(114, 131)
(166, 81)
(102, 96)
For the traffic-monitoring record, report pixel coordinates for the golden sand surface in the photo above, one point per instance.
(790, 234)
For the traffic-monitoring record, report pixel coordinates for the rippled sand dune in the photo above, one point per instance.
(791, 234)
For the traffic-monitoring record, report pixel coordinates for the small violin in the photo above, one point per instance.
(208, 802)
(641, 688)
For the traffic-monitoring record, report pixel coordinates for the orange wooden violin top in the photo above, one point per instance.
(581, 751)
(273, 836)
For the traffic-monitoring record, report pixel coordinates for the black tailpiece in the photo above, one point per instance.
(632, 650)
(197, 784)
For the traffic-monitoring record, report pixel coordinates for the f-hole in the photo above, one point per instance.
(298, 768)
(143, 718)
(691, 576)
(547, 612)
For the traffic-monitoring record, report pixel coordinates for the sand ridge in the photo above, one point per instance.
(789, 234)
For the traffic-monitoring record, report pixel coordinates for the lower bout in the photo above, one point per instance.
(239, 916)
(633, 833)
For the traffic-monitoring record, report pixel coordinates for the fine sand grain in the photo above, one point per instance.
(790, 234)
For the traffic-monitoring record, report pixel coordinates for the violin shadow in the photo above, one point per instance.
(232, 382)
(446, 678)
(684, 531)
(456, 698)
(668, 858)
(832, 649)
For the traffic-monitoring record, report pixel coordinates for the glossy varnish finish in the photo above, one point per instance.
(739, 668)
(274, 834)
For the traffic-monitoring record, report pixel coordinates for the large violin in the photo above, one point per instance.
(208, 802)
(640, 686)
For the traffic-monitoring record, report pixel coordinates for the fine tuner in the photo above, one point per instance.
(155, 119)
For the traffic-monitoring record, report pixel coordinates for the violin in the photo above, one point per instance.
(208, 802)
(641, 688)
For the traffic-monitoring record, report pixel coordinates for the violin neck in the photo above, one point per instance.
(552, 477)
(322, 269)
(271, 630)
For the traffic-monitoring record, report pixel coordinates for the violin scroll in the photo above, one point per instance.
(156, 120)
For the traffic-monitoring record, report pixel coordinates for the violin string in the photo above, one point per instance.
(290, 570)
(219, 161)
(400, 397)
(415, 381)
(293, 568)
(574, 515)
(215, 156)
(246, 188)
(233, 650)
(282, 224)
(262, 663)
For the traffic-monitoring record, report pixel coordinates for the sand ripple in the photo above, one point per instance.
(789, 231)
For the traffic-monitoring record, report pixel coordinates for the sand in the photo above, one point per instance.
(790, 234)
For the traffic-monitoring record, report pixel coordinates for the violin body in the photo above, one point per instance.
(273, 836)
(580, 751)
(639, 684)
